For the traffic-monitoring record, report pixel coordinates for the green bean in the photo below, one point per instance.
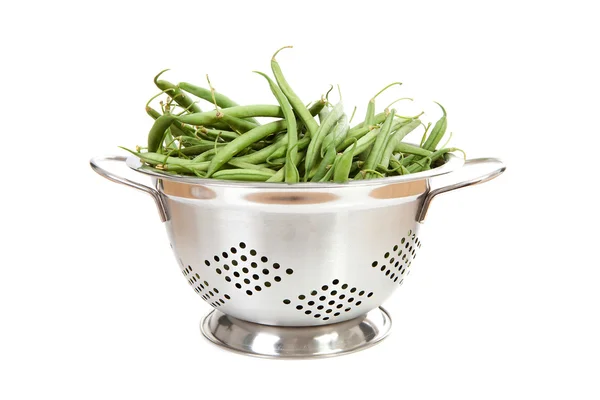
(209, 117)
(200, 148)
(411, 149)
(379, 146)
(291, 173)
(252, 175)
(323, 114)
(439, 129)
(280, 174)
(176, 94)
(244, 165)
(235, 146)
(157, 133)
(356, 165)
(297, 104)
(379, 118)
(239, 125)
(337, 135)
(207, 155)
(289, 169)
(329, 173)
(342, 169)
(217, 133)
(316, 108)
(263, 154)
(176, 131)
(395, 140)
(314, 148)
(161, 159)
(364, 142)
(326, 162)
(439, 153)
(205, 94)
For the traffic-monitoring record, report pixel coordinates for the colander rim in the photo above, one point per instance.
(452, 162)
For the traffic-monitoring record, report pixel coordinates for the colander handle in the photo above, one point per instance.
(473, 172)
(95, 164)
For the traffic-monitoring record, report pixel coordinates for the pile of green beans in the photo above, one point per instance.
(303, 143)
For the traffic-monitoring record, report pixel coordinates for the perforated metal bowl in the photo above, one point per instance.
(299, 255)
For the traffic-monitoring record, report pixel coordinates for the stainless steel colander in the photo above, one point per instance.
(285, 266)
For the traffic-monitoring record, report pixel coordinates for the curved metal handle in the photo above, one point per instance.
(95, 164)
(473, 172)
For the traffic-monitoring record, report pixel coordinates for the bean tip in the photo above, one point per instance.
(159, 74)
(277, 52)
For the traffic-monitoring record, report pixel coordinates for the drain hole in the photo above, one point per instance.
(286, 301)
(216, 258)
(301, 297)
(276, 265)
(207, 263)
(249, 292)
(289, 271)
(277, 279)
(268, 284)
(225, 255)
(253, 264)
(243, 245)
(252, 252)
(264, 259)
(233, 250)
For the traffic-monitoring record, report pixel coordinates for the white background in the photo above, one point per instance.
(504, 300)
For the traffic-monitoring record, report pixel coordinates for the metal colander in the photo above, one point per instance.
(303, 255)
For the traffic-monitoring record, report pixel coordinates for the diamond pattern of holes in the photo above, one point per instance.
(329, 301)
(247, 270)
(395, 264)
(211, 295)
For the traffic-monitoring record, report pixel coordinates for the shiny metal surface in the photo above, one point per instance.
(298, 255)
(473, 172)
(95, 164)
(291, 342)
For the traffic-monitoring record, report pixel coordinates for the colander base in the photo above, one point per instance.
(296, 342)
